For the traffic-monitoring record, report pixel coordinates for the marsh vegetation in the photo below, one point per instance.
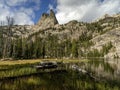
(106, 72)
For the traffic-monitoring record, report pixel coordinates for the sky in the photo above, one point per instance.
(29, 11)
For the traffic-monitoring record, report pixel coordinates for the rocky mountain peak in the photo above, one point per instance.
(106, 16)
(47, 20)
(44, 15)
(52, 14)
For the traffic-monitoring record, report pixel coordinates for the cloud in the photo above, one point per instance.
(15, 2)
(85, 10)
(37, 4)
(23, 11)
(23, 18)
(51, 6)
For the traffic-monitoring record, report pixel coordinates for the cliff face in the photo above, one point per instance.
(110, 34)
(47, 20)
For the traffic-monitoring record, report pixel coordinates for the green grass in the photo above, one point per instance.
(19, 62)
(23, 62)
(17, 72)
(18, 68)
(67, 80)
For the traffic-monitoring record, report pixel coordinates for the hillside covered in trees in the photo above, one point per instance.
(49, 39)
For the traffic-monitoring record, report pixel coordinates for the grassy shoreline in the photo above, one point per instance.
(32, 61)
(16, 68)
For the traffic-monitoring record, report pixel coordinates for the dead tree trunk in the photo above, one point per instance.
(8, 39)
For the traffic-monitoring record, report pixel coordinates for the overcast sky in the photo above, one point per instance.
(29, 11)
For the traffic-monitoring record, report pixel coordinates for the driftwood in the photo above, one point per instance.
(46, 65)
(77, 68)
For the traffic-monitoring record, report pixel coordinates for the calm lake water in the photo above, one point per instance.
(106, 73)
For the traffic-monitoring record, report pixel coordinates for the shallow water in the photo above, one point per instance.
(107, 73)
(107, 69)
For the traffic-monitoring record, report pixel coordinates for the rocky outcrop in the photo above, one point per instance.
(18, 30)
(112, 36)
(47, 20)
(111, 33)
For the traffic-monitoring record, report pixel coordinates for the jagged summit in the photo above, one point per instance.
(47, 20)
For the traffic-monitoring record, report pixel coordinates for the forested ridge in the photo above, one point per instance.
(71, 40)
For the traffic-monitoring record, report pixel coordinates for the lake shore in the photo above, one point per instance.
(32, 61)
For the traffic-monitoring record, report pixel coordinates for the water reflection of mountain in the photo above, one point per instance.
(115, 64)
(108, 69)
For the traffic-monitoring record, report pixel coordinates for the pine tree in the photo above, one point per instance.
(74, 49)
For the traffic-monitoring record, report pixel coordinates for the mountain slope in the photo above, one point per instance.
(71, 40)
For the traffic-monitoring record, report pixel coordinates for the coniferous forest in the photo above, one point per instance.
(49, 46)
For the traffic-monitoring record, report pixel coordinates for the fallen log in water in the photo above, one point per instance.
(46, 65)
(83, 71)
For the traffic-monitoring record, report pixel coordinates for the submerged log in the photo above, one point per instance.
(77, 68)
